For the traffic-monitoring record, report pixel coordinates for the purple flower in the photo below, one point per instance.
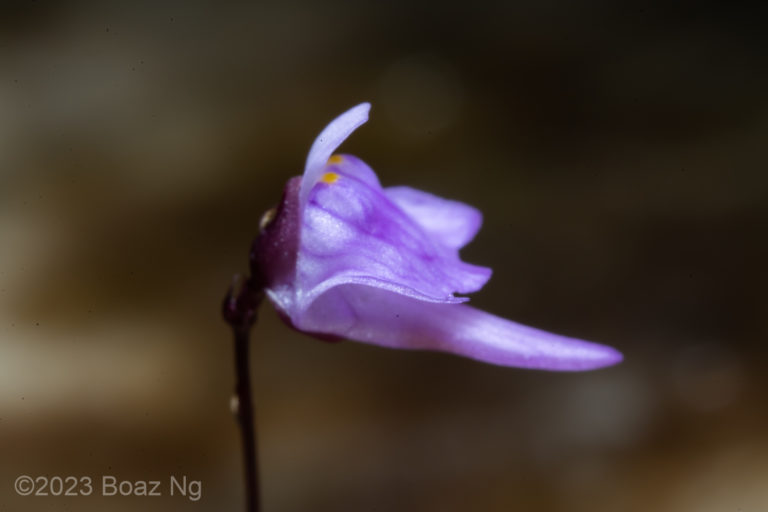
(342, 257)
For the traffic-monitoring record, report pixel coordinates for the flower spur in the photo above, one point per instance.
(343, 258)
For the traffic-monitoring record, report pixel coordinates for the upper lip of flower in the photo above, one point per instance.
(326, 143)
(345, 257)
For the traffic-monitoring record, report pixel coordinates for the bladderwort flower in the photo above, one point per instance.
(343, 258)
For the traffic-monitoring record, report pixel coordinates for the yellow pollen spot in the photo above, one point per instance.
(329, 177)
(335, 159)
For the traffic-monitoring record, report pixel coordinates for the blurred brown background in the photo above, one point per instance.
(619, 157)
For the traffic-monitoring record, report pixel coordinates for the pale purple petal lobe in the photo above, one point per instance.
(326, 143)
(453, 223)
(352, 233)
(383, 318)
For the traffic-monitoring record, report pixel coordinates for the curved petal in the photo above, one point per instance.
(326, 143)
(455, 224)
(352, 233)
(379, 317)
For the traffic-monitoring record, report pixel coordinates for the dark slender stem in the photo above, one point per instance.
(245, 415)
(239, 310)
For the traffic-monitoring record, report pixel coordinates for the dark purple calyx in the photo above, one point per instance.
(274, 252)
